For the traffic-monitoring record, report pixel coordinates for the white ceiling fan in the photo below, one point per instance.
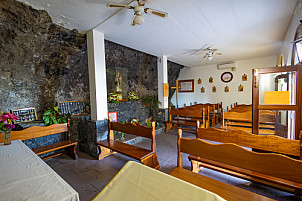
(138, 10)
(209, 52)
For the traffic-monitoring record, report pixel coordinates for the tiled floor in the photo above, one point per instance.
(89, 176)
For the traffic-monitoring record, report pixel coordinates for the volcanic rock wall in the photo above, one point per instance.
(42, 63)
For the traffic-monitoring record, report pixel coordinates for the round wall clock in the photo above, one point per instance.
(226, 77)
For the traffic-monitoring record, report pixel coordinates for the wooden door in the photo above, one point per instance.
(278, 91)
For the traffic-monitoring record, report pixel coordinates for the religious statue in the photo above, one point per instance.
(118, 84)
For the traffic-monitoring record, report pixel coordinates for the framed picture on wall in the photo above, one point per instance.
(113, 115)
(213, 89)
(25, 114)
(186, 85)
(240, 88)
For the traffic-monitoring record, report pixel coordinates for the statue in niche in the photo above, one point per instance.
(118, 84)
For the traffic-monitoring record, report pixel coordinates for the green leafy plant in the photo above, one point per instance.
(52, 116)
(151, 102)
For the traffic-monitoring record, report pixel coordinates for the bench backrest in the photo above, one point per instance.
(39, 131)
(188, 113)
(247, 117)
(263, 142)
(271, 164)
(129, 128)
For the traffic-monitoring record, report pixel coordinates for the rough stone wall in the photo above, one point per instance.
(40, 63)
(142, 68)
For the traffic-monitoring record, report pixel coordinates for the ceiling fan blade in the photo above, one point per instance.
(133, 22)
(156, 12)
(208, 48)
(218, 53)
(200, 52)
(214, 50)
(205, 56)
(119, 6)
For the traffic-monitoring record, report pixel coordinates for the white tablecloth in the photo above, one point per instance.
(137, 182)
(24, 176)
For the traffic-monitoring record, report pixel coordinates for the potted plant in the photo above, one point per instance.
(151, 102)
(53, 116)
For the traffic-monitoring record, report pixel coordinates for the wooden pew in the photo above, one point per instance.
(145, 156)
(210, 112)
(224, 190)
(184, 117)
(215, 110)
(41, 131)
(274, 169)
(243, 121)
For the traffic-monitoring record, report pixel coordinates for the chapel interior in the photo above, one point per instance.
(150, 100)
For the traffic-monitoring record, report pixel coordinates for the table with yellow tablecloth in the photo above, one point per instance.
(137, 182)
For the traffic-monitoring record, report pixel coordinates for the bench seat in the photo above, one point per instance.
(249, 124)
(54, 147)
(110, 146)
(247, 174)
(184, 122)
(224, 190)
(41, 131)
(125, 149)
(249, 130)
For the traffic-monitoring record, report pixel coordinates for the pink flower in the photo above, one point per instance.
(8, 116)
(3, 117)
(13, 116)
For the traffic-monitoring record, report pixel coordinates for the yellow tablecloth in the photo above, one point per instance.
(137, 182)
(24, 176)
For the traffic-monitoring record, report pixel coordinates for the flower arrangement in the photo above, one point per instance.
(135, 121)
(6, 125)
(149, 121)
(6, 121)
(112, 97)
(132, 96)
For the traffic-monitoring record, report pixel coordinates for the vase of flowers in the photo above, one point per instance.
(6, 125)
(132, 96)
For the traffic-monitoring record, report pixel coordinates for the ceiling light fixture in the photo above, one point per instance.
(138, 19)
(210, 56)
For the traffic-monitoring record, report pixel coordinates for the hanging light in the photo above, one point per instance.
(138, 19)
(210, 55)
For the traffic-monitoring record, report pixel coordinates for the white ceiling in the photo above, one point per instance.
(240, 29)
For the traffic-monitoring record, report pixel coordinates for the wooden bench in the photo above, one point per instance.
(68, 145)
(109, 146)
(243, 121)
(224, 190)
(184, 119)
(273, 169)
(210, 112)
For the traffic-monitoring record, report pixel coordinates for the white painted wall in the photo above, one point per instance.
(286, 47)
(97, 75)
(205, 72)
(162, 72)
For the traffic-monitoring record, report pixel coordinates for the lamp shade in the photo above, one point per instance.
(138, 19)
